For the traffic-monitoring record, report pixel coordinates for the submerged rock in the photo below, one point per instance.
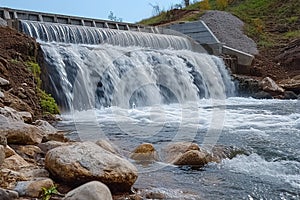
(144, 152)
(92, 191)
(83, 162)
(193, 158)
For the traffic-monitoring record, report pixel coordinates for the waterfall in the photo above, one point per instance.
(93, 67)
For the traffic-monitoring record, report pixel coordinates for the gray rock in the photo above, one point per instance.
(26, 116)
(3, 82)
(11, 114)
(2, 154)
(8, 194)
(262, 95)
(2, 95)
(83, 162)
(270, 86)
(92, 191)
(107, 146)
(45, 126)
(34, 187)
(290, 95)
(47, 146)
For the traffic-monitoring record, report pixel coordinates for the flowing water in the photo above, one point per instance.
(132, 88)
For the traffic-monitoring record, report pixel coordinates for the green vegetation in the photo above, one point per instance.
(47, 102)
(48, 192)
(268, 22)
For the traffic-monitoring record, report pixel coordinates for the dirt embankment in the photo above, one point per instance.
(16, 51)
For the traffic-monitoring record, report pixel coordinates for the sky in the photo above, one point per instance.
(129, 11)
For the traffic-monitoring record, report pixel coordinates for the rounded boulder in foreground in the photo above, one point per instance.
(84, 162)
(92, 191)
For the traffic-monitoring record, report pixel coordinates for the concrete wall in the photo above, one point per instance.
(201, 33)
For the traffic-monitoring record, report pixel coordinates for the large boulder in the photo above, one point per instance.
(8, 194)
(83, 162)
(21, 133)
(92, 191)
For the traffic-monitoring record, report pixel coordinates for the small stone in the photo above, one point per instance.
(192, 158)
(20, 89)
(2, 95)
(24, 84)
(26, 116)
(3, 140)
(92, 191)
(34, 187)
(35, 173)
(22, 95)
(3, 82)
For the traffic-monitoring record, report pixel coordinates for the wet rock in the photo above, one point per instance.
(193, 158)
(47, 146)
(172, 151)
(2, 155)
(144, 152)
(33, 188)
(155, 195)
(290, 95)
(83, 162)
(8, 194)
(92, 191)
(21, 133)
(15, 163)
(262, 95)
(270, 86)
(291, 84)
(3, 82)
(26, 116)
(107, 146)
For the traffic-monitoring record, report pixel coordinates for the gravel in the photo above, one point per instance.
(229, 30)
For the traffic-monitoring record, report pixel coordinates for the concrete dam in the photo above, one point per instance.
(198, 31)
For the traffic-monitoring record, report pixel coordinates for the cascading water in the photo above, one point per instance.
(93, 67)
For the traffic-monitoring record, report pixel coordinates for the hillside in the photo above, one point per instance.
(273, 25)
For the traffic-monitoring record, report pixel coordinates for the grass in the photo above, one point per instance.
(266, 21)
(47, 102)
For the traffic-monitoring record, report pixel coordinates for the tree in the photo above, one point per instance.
(204, 5)
(222, 4)
(112, 17)
(186, 3)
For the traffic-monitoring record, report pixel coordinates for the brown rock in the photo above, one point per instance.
(193, 158)
(16, 163)
(30, 153)
(83, 162)
(144, 152)
(26, 116)
(47, 146)
(9, 152)
(33, 188)
(2, 154)
(21, 133)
